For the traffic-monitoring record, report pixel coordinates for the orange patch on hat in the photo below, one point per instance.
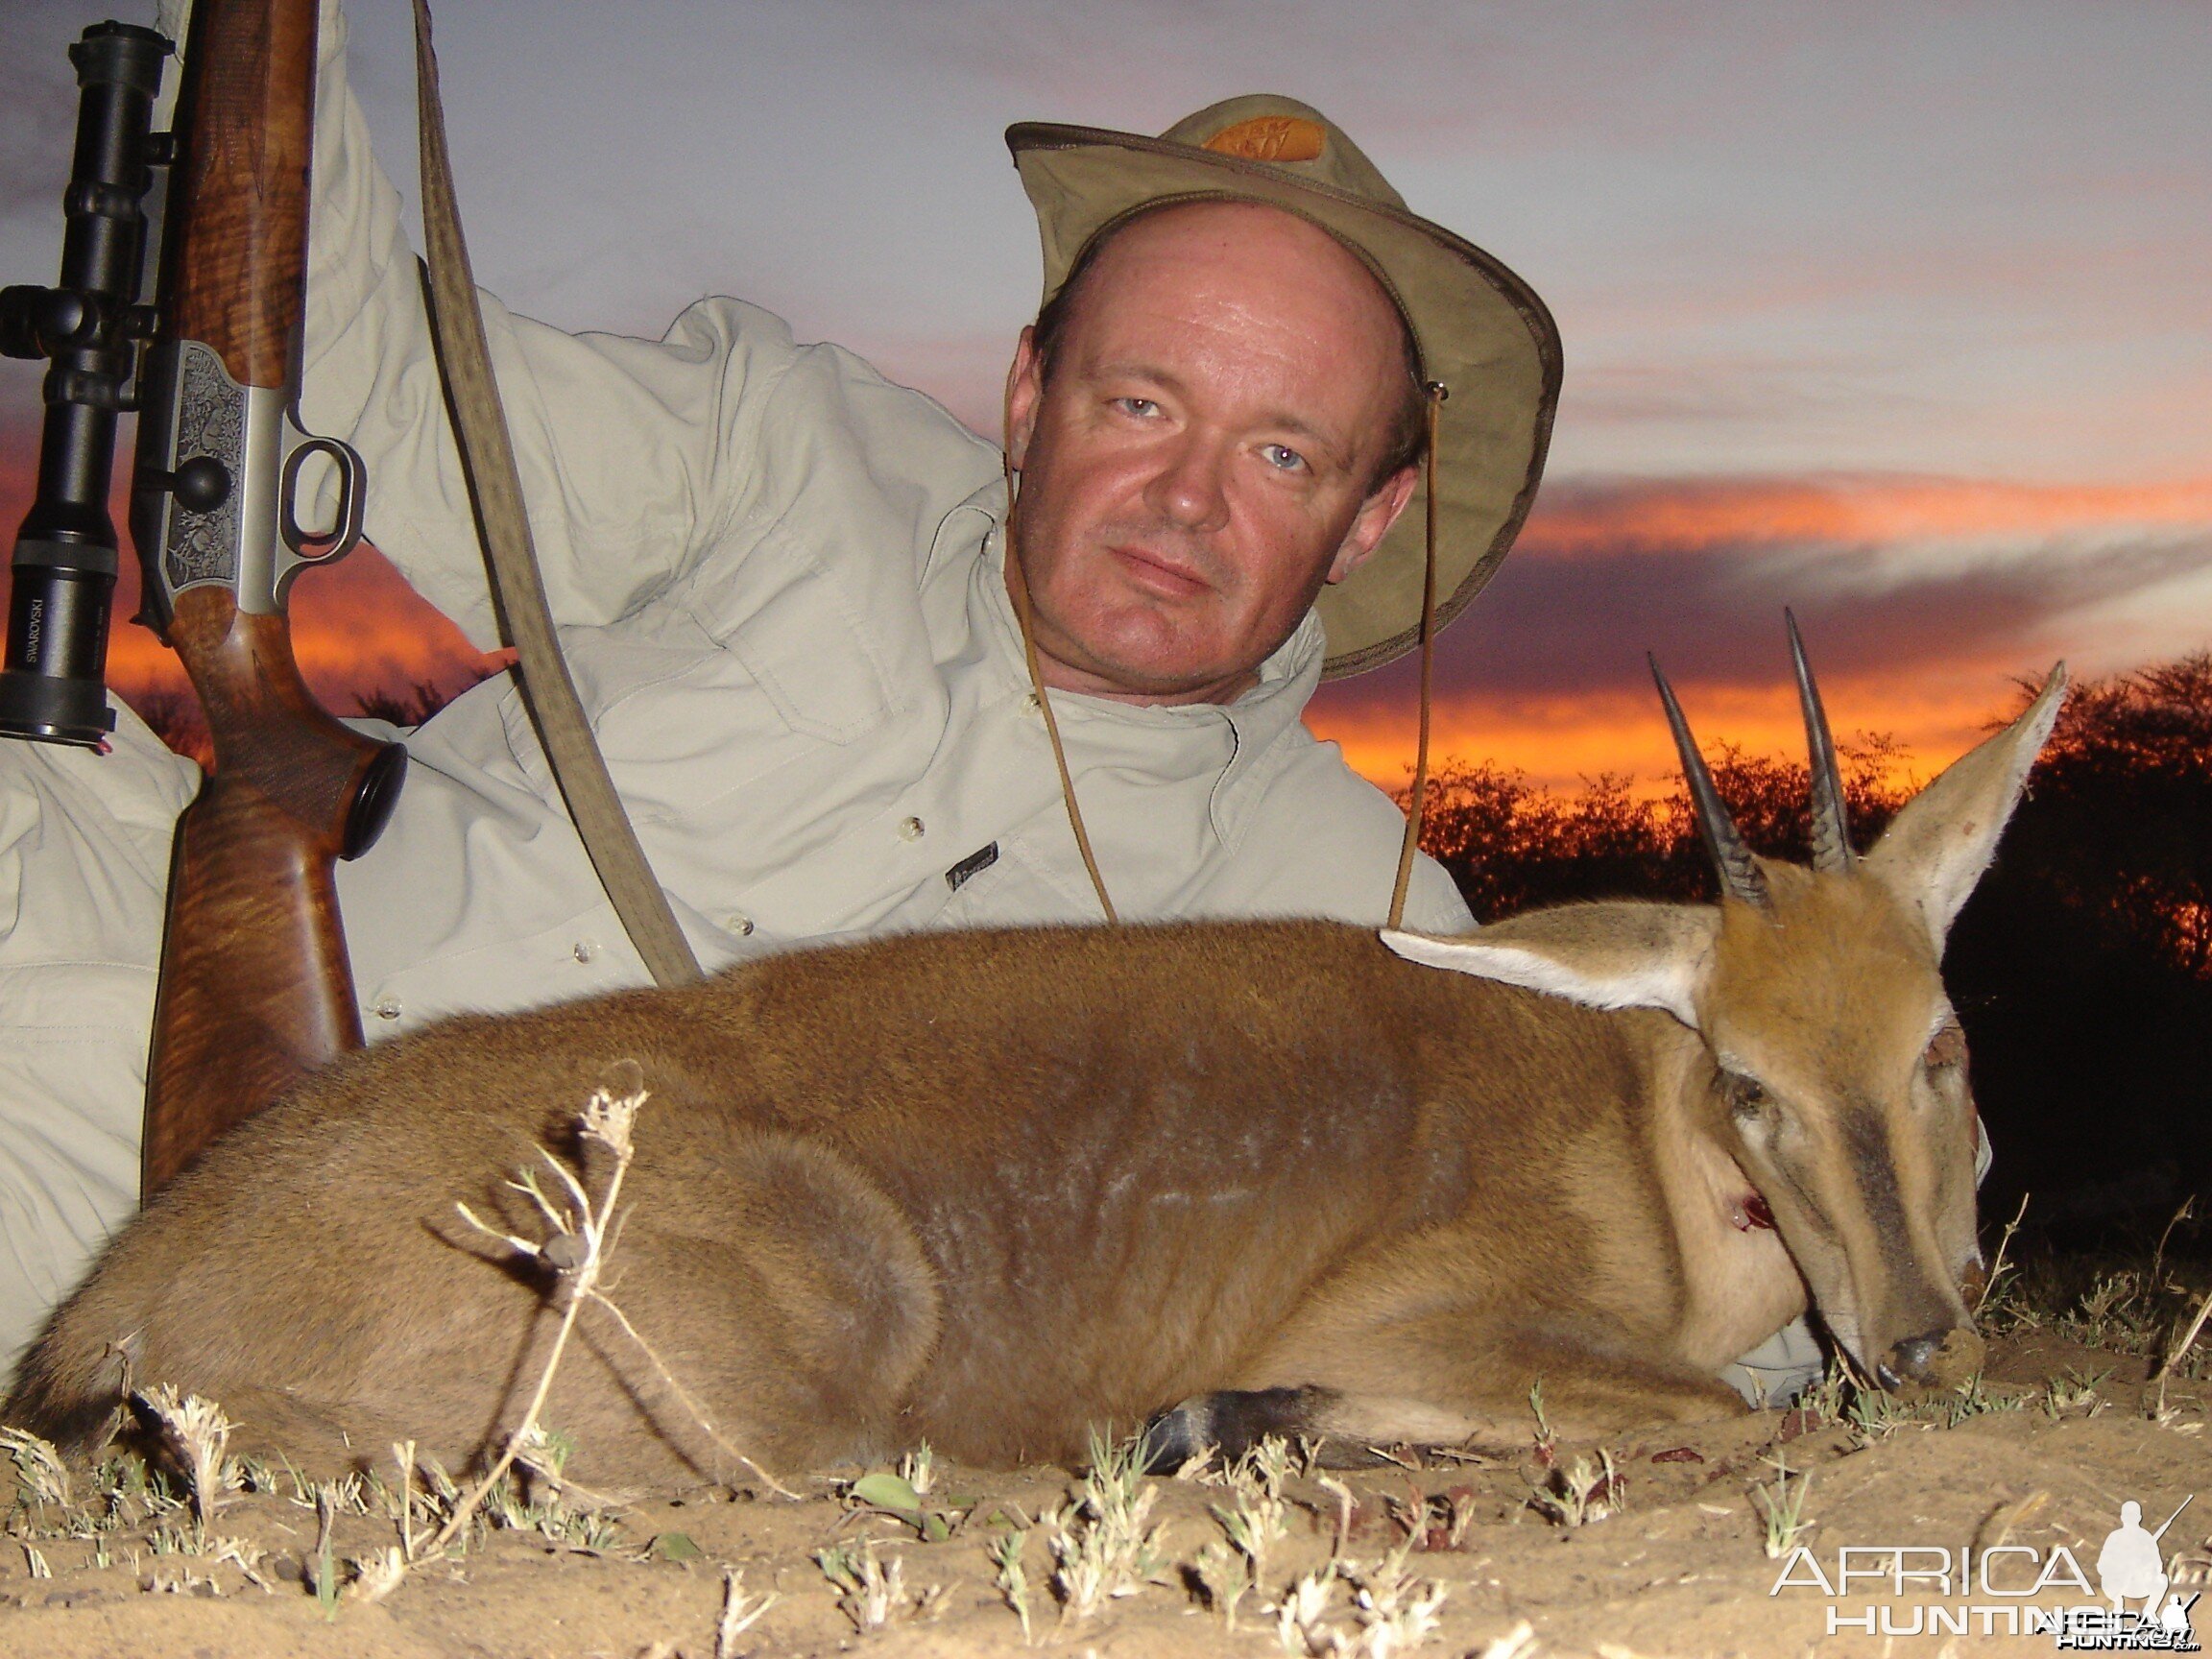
(1270, 138)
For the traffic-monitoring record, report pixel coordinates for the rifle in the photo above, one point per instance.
(256, 988)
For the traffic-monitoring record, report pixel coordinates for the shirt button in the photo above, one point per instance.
(739, 924)
(1030, 704)
(387, 1008)
(584, 949)
(910, 830)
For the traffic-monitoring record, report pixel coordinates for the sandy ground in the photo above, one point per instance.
(1678, 1566)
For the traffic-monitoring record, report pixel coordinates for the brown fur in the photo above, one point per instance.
(984, 1189)
(991, 1189)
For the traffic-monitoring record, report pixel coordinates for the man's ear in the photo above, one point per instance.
(1024, 391)
(1371, 522)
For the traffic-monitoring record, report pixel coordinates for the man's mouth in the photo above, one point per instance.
(1157, 573)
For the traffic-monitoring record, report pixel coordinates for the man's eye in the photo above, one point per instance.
(1141, 407)
(1283, 457)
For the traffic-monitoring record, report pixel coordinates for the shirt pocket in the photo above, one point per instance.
(807, 640)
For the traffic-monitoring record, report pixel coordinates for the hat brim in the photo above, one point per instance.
(1480, 332)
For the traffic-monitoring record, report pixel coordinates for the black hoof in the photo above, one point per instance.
(1230, 1423)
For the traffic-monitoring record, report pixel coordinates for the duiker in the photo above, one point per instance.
(990, 1190)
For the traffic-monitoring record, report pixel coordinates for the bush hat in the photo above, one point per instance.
(1479, 331)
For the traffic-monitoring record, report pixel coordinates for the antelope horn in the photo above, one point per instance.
(1830, 828)
(1741, 877)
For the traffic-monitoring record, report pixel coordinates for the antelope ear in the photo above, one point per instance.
(1936, 847)
(1611, 954)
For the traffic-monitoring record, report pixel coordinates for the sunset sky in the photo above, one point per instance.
(1899, 314)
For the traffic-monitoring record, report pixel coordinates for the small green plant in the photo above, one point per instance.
(870, 1594)
(2073, 1392)
(1576, 1496)
(1392, 1611)
(1253, 1523)
(1101, 1545)
(1012, 1578)
(1302, 1624)
(556, 1512)
(1826, 1399)
(194, 1432)
(1547, 1441)
(325, 1558)
(1396, 1611)
(1782, 1505)
(1972, 1399)
(38, 1465)
(376, 1575)
(1873, 1416)
(898, 1497)
(918, 1468)
(1225, 1573)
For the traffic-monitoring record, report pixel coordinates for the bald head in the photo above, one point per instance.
(1267, 248)
(1216, 439)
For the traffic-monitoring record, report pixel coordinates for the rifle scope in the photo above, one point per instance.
(88, 327)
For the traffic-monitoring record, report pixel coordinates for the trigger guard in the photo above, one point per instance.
(352, 495)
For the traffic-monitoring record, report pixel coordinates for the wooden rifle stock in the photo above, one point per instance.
(256, 988)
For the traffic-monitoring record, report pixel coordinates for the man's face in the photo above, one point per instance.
(1199, 460)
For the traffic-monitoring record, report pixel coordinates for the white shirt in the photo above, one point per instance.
(778, 583)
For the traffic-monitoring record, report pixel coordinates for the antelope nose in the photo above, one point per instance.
(1936, 1359)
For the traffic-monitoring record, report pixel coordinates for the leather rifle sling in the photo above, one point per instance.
(487, 459)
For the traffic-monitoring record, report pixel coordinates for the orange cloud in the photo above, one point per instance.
(1546, 673)
(1848, 510)
(1559, 741)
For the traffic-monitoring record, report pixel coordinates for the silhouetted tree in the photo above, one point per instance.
(413, 705)
(1511, 844)
(2081, 965)
(173, 714)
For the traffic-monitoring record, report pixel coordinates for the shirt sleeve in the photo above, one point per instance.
(631, 453)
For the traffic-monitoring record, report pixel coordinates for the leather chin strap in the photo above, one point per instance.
(495, 487)
(1438, 392)
(1018, 585)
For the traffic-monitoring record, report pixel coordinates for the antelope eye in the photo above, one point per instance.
(1746, 1096)
(1947, 1048)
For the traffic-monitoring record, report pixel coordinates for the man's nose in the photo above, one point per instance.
(1188, 490)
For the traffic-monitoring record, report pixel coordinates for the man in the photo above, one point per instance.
(785, 592)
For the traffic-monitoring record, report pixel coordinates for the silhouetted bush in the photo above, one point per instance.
(1512, 845)
(173, 713)
(413, 705)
